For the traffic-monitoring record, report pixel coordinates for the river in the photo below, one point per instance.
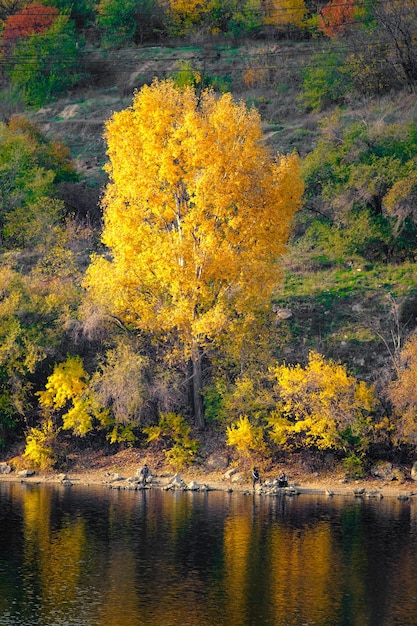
(96, 557)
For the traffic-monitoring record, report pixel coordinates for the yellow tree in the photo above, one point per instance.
(187, 14)
(284, 13)
(196, 215)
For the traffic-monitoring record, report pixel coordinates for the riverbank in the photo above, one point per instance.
(119, 471)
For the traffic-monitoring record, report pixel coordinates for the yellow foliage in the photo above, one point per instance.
(179, 456)
(39, 445)
(245, 436)
(186, 14)
(122, 433)
(318, 403)
(67, 381)
(153, 433)
(173, 430)
(196, 215)
(68, 387)
(79, 418)
(283, 13)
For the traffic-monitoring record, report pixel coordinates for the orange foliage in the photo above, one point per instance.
(335, 16)
(36, 18)
(402, 393)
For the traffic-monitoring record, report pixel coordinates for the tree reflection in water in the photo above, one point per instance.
(111, 558)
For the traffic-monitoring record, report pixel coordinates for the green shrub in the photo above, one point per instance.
(324, 82)
(353, 466)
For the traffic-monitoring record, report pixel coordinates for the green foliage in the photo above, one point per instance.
(22, 180)
(47, 153)
(122, 433)
(30, 165)
(325, 81)
(26, 226)
(353, 466)
(186, 75)
(350, 176)
(36, 311)
(175, 434)
(8, 418)
(82, 12)
(359, 234)
(46, 64)
(214, 396)
(29, 326)
(189, 76)
(124, 22)
(234, 18)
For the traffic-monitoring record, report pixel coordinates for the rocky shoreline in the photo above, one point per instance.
(230, 481)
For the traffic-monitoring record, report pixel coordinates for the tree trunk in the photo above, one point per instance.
(197, 387)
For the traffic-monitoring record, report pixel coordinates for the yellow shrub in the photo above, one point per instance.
(245, 436)
(320, 405)
(173, 430)
(39, 445)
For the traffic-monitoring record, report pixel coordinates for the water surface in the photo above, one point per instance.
(98, 557)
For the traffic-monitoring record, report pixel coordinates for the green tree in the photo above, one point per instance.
(82, 12)
(41, 259)
(129, 21)
(197, 214)
(234, 17)
(45, 64)
(30, 165)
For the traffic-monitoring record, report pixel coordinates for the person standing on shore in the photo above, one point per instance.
(256, 478)
(144, 474)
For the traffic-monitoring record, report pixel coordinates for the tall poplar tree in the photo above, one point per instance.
(196, 215)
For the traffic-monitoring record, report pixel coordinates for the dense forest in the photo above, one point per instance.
(208, 229)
